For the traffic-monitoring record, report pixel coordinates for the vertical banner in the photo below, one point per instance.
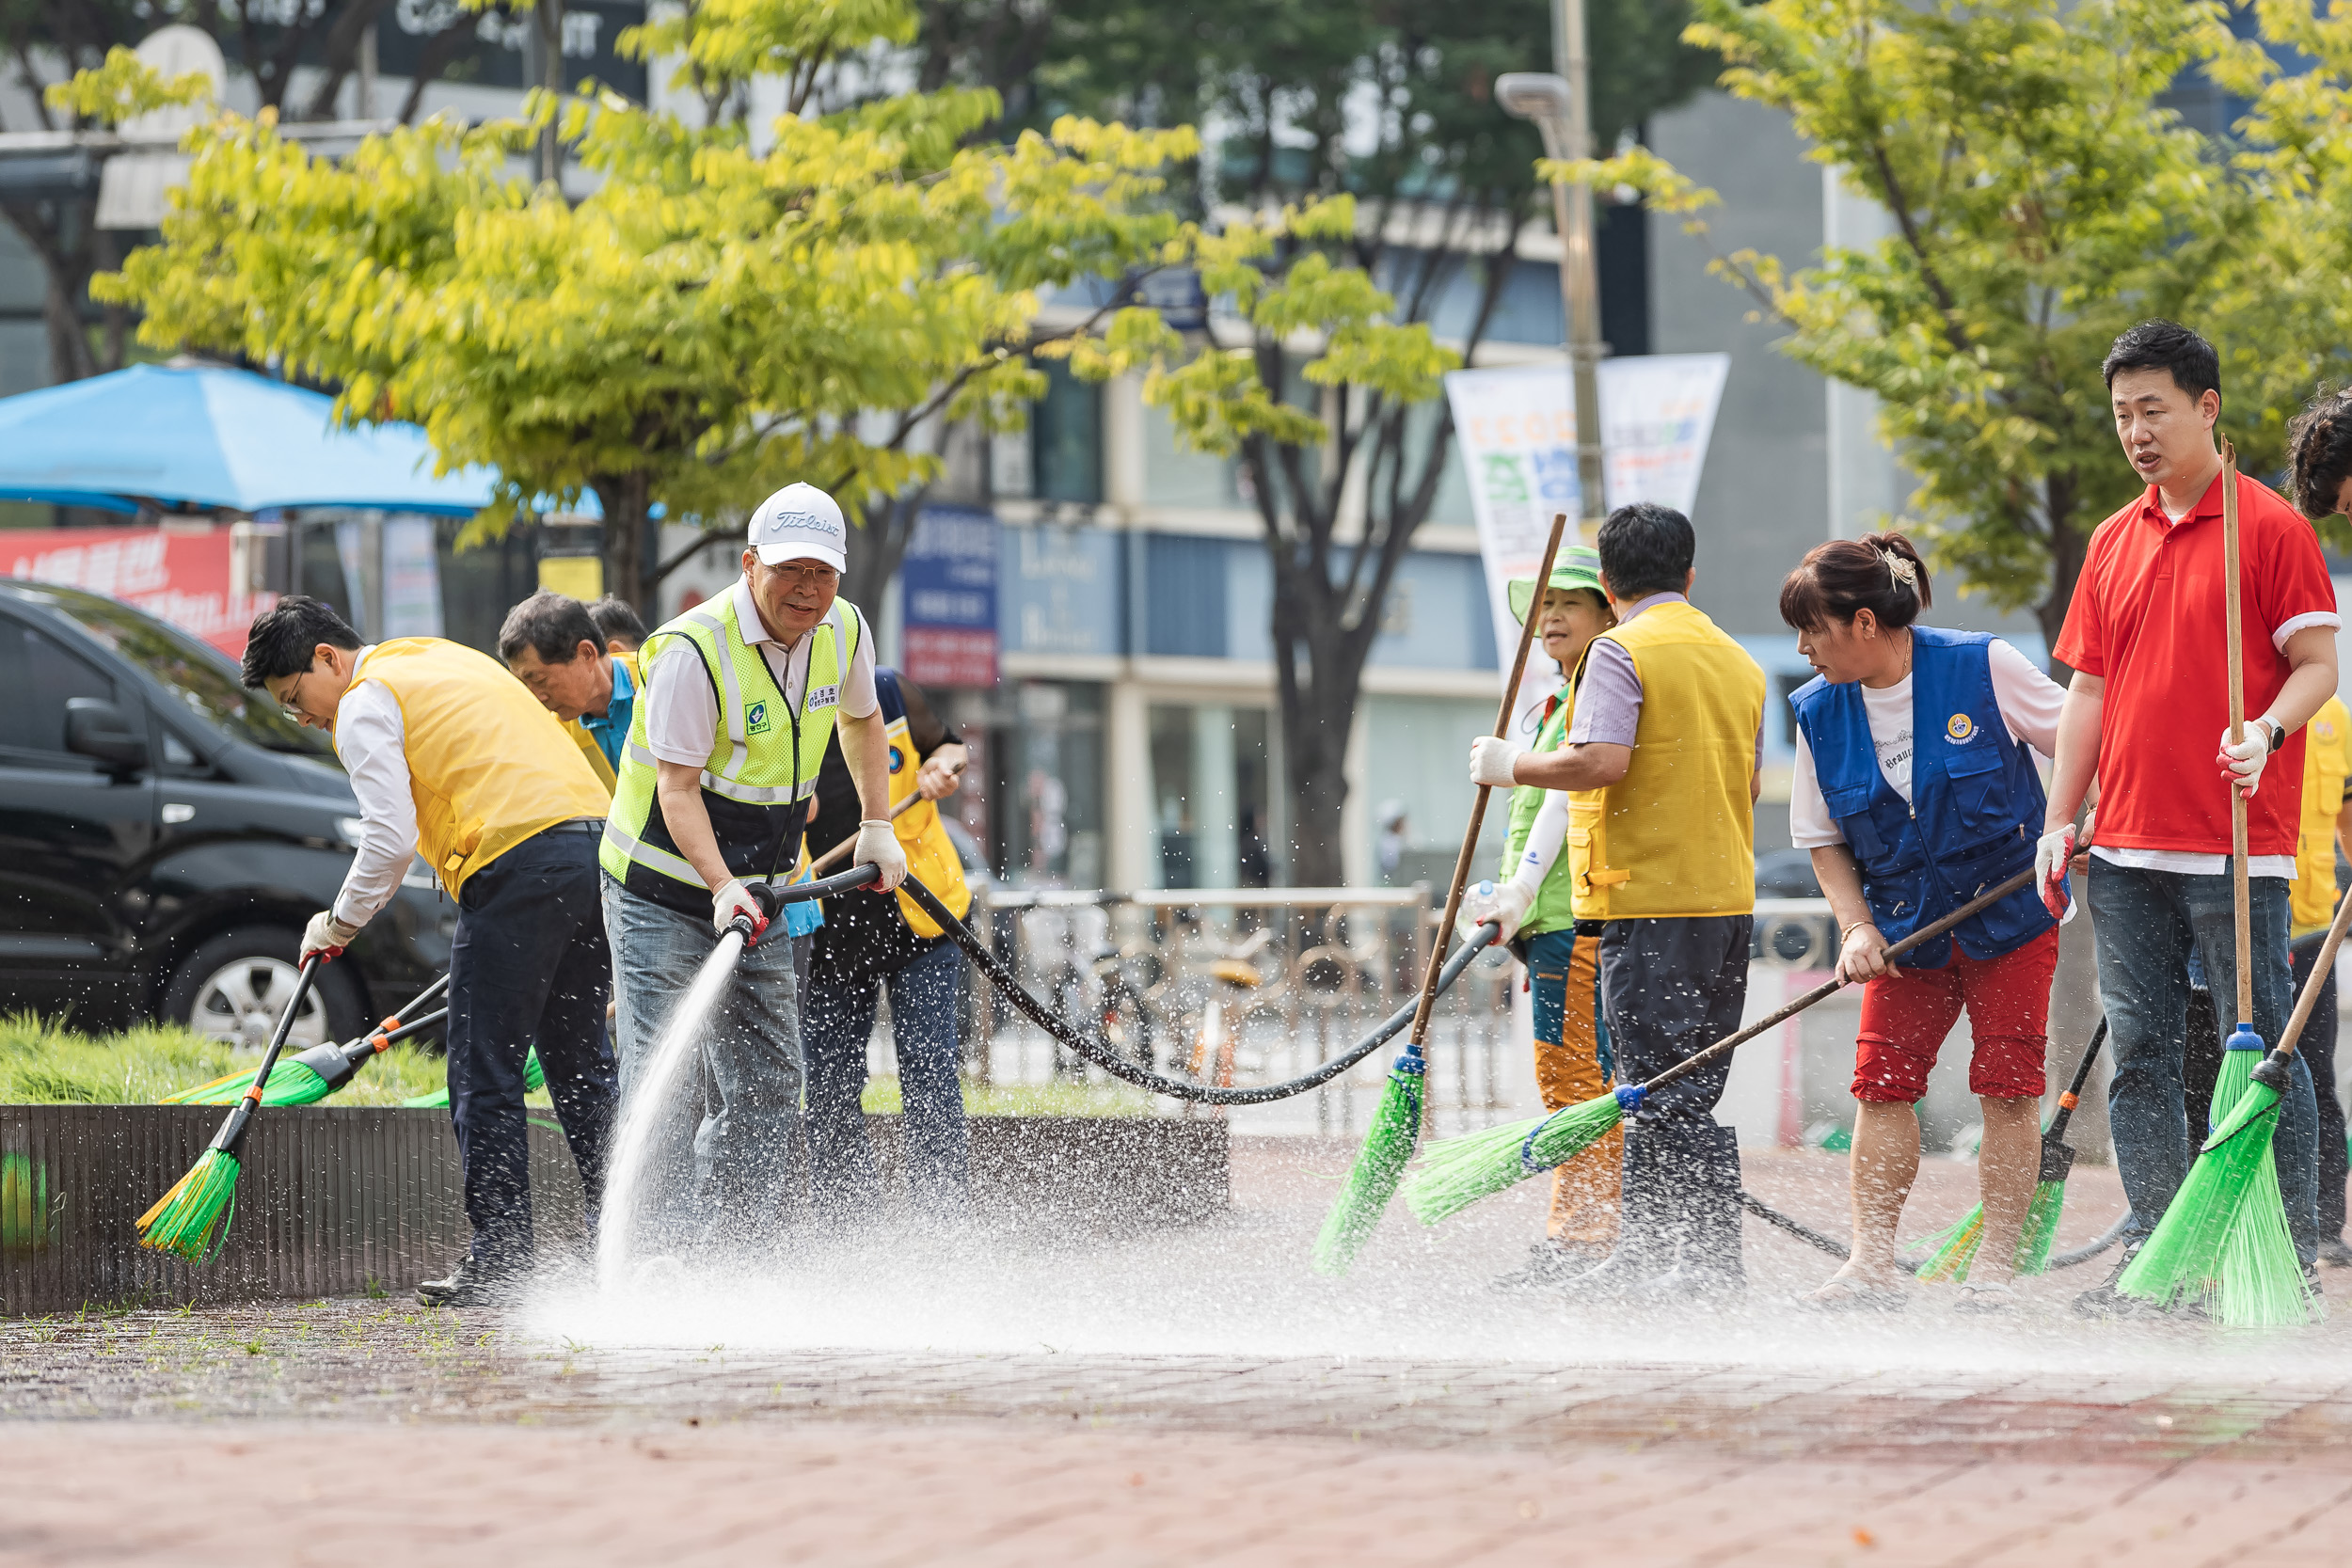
(412, 578)
(179, 575)
(949, 587)
(1518, 433)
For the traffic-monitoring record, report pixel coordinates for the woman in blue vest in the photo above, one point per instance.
(1914, 791)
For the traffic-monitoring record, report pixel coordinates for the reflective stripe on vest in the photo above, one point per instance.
(764, 756)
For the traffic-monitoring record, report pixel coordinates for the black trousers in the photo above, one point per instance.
(1668, 989)
(2318, 1046)
(528, 967)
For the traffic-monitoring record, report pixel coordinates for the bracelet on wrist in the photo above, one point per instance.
(1845, 931)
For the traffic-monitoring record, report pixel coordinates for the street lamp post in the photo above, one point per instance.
(1562, 115)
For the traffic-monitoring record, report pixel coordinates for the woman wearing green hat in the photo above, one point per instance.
(1537, 911)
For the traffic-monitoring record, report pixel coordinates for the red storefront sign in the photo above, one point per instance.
(176, 574)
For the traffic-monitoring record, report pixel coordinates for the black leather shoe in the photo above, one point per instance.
(2103, 1300)
(469, 1284)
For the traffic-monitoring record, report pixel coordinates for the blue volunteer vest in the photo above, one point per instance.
(1975, 801)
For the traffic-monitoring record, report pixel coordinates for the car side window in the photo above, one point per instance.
(38, 676)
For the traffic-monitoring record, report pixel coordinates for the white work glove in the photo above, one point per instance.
(1507, 905)
(732, 900)
(2246, 758)
(878, 845)
(325, 934)
(1492, 759)
(2051, 854)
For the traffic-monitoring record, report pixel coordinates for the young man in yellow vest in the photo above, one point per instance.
(873, 940)
(1663, 754)
(742, 694)
(556, 648)
(2327, 817)
(452, 759)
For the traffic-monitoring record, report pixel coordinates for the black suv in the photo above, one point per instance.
(165, 833)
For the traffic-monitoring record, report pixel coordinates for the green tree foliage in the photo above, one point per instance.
(2042, 198)
(719, 317)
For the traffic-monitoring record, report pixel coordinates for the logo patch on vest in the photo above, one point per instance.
(824, 696)
(1958, 728)
(898, 759)
(755, 719)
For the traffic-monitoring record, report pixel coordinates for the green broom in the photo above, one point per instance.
(1457, 1172)
(192, 1220)
(324, 1069)
(1397, 1121)
(1956, 1247)
(2224, 1238)
(534, 1078)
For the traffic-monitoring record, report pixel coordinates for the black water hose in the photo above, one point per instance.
(1099, 1051)
(1806, 1233)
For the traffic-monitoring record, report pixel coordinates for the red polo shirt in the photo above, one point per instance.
(2147, 617)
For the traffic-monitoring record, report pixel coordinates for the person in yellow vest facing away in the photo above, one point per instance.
(2327, 817)
(452, 760)
(1663, 754)
(1535, 904)
(873, 940)
(555, 647)
(742, 695)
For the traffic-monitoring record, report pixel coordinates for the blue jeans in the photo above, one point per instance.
(2147, 924)
(744, 1178)
(528, 967)
(841, 1002)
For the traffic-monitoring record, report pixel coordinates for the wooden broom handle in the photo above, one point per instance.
(2240, 897)
(1478, 808)
(2311, 982)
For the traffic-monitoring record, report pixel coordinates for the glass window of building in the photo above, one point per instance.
(1213, 804)
(1065, 438)
(1046, 791)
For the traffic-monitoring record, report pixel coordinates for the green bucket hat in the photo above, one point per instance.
(1576, 567)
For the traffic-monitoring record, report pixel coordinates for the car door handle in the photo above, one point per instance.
(176, 813)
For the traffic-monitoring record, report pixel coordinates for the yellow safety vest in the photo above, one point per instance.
(1676, 837)
(2325, 766)
(587, 743)
(487, 766)
(763, 761)
(932, 857)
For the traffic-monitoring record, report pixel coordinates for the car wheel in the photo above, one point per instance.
(235, 986)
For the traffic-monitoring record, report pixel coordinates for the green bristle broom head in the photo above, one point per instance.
(192, 1220)
(534, 1078)
(290, 1083)
(1955, 1248)
(2261, 1283)
(2184, 1254)
(2242, 1054)
(1388, 1149)
(1457, 1172)
(2041, 1229)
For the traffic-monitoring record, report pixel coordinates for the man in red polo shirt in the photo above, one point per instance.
(2145, 638)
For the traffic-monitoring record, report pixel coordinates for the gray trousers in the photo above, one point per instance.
(746, 1176)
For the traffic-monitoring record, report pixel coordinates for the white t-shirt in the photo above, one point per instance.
(2029, 703)
(682, 710)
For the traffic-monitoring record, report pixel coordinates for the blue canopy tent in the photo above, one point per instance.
(205, 438)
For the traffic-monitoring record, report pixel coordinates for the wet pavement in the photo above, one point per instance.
(1044, 1397)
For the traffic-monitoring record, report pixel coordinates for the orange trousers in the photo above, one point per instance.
(1563, 972)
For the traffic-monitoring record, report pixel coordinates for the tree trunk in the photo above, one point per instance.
(625, 502)
(2069, 546)
(877, 550)
(1319, 671)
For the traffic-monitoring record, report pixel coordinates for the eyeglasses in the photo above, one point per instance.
(286, 703)
(813, 575)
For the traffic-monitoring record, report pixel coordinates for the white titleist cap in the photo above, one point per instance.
(800, 522)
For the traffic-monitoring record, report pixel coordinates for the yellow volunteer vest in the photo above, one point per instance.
(1676, 837)
(587, 743)
(932, 857)
(2325, 766)
(763, 760)
(487, 766)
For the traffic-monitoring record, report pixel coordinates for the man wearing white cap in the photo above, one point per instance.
(743, 693)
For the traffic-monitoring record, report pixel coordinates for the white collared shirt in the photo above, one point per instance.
(682, 707)
(371, 739)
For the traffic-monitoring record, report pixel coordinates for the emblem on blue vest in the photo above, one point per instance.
(1960, 727)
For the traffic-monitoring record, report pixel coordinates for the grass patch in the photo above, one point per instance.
(46, 1064)
(1022, 1099)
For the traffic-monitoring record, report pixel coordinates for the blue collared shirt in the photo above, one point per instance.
(611, 729)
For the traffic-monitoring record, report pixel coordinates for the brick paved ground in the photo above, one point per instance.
(1047, 1400)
